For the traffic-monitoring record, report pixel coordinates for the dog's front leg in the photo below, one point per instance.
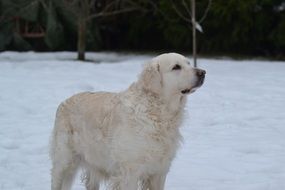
(124, 183)
(157, 181)
(129, 185)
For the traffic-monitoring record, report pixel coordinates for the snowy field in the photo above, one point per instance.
(234, 130)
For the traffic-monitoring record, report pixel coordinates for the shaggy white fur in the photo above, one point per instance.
(127, 139)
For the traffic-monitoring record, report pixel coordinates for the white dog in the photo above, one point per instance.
(127, 139)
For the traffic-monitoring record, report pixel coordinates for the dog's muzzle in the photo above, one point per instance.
(201, 77)
(200, 80)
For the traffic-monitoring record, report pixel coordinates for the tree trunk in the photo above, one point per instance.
(194, 45)
(81, 41)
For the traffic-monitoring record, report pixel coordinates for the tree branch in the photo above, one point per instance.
(179, 13)
(187, 8)
(206, 12)
(161, 12)
(69, 5)
(104, 14)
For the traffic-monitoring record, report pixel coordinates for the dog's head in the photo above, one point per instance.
(171, 74)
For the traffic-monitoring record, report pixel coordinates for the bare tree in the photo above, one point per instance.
(87, 10)
(187, 12)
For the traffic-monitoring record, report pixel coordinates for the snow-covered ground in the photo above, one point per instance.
(234, 132)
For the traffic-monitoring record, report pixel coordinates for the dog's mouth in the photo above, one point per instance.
(186, 91)
(193, 89)
(189, 90)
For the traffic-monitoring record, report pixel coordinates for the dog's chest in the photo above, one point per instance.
(146, 136)
(146, 141)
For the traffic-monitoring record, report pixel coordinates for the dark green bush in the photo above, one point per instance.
(242, 27)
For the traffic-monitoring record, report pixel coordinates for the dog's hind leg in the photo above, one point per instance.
(64, 164)
(64, 160)
(63, 176)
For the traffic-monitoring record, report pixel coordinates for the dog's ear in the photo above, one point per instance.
(150, 78)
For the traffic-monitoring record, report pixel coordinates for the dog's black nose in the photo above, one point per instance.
(200, 72)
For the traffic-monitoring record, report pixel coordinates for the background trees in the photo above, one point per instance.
(84, 11)
(233, 27)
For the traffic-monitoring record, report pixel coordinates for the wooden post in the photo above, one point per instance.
(194, 33)
(83, 11)
(81, 42)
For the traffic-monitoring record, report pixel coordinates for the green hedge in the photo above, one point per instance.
(236, 27)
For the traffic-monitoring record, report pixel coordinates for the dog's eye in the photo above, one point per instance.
(176, 67)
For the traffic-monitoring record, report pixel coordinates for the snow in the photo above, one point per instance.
(234, 130)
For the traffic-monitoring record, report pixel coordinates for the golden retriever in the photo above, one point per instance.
(126, 139)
